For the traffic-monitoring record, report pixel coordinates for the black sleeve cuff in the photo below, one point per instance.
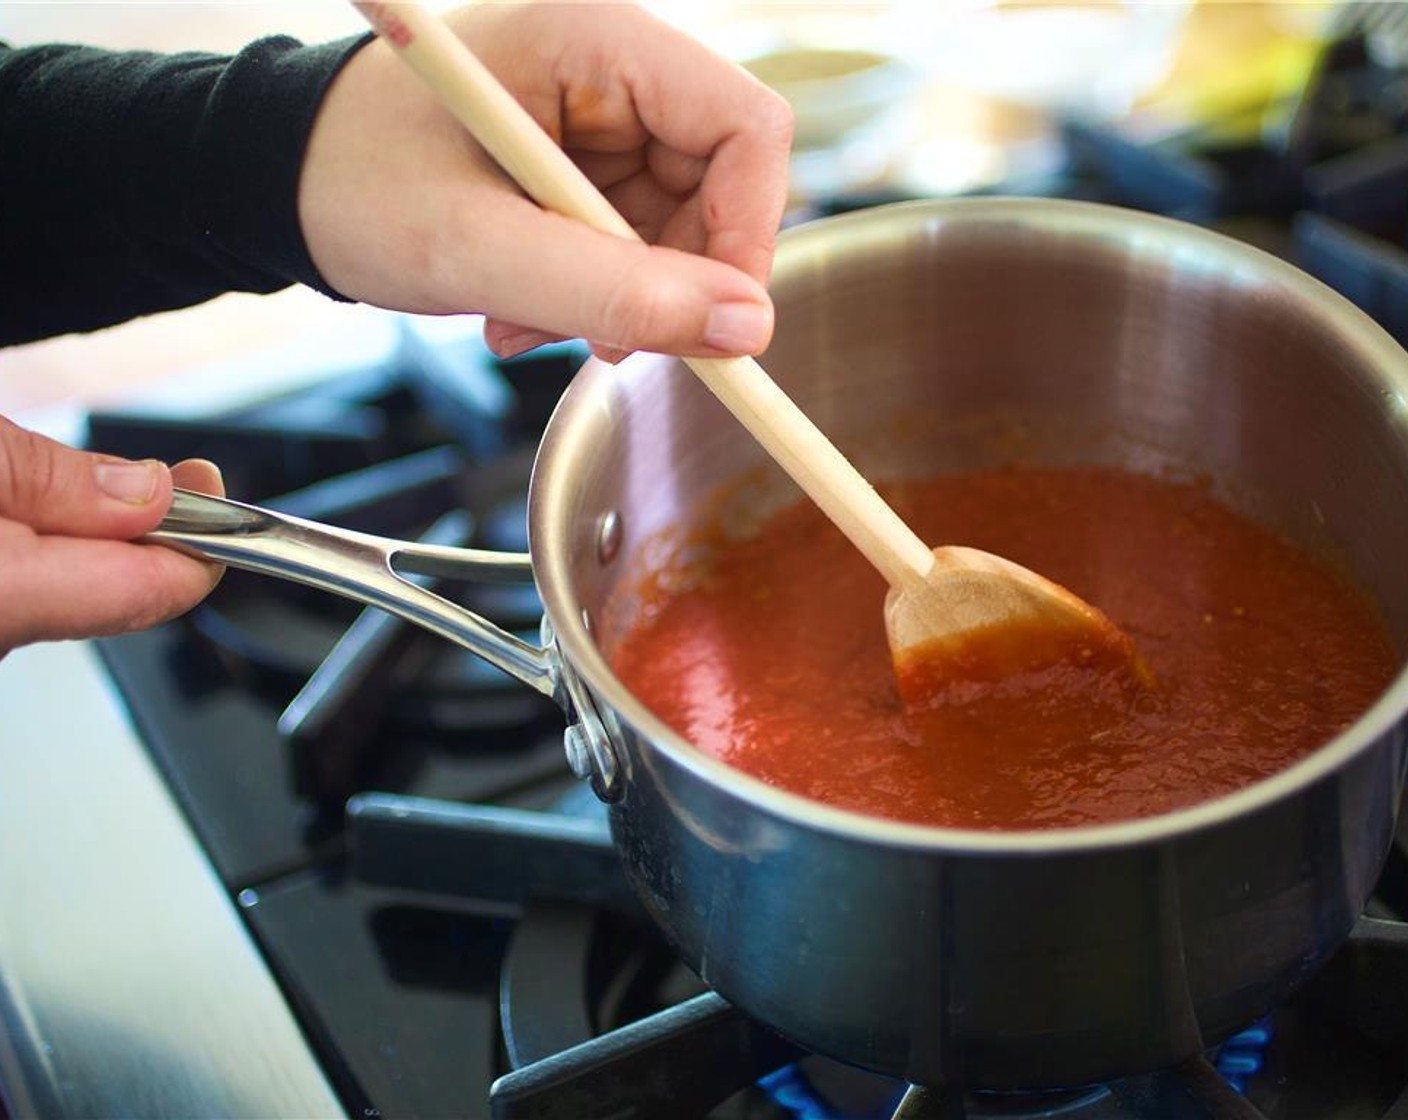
(133, 182)
(248, 155)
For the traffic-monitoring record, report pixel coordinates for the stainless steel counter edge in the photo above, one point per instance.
(128, 983)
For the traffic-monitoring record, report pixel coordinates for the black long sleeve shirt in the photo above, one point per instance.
(133, 182)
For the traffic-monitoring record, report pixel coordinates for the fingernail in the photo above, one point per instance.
(740, 328)
(611, 355)
(511, 345)
(134, 483)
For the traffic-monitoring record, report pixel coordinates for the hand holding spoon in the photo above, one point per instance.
(951, 612)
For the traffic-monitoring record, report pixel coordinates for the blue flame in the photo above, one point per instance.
(791, 1089)
(1238, 1060)
(1243, 1055)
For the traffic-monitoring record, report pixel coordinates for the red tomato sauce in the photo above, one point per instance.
(772, 656)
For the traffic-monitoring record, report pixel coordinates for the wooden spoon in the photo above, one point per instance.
(951, 613)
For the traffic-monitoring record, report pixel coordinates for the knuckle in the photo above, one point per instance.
(636, 311)
(174, 583)
(27, 469)
(775, 118)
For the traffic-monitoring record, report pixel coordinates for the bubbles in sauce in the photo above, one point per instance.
(772, 656)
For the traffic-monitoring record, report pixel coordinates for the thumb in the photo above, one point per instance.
(561, 276)
(678, 303)
(57, 490)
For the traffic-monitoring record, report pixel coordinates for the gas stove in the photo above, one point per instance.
(437, 897)
(394, 828)
(318, 863)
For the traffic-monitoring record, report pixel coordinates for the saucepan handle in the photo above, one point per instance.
(366, 568)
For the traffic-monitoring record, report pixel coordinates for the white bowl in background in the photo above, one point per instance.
(834, 92)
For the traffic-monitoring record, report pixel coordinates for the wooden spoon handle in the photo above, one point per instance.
(520, 146)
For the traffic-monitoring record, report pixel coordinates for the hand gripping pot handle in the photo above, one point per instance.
(375, 570)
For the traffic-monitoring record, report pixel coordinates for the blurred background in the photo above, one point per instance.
(893, 100)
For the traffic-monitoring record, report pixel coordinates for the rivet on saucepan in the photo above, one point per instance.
(608, 536)
(579, 756)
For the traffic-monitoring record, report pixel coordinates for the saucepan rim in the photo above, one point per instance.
(1375, 350)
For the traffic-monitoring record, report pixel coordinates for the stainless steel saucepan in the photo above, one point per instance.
(924, 338)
